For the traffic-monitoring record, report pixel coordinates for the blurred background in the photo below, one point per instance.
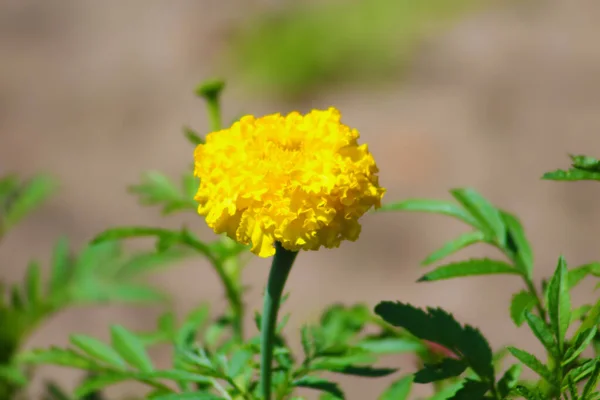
(477, 93)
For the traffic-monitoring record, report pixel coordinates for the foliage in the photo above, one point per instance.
(215, 358)
(291, 50)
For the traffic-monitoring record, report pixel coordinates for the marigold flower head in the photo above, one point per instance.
(301, 180)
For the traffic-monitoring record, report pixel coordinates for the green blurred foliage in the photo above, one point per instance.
(300, 47)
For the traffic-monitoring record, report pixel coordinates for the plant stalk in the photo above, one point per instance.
(280, 269)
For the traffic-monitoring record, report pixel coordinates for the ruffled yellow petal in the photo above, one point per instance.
(301, 180)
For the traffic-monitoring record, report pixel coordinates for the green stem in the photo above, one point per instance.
(280, 269)
(538, 300)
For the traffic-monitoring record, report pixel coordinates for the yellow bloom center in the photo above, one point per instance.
(301, 180)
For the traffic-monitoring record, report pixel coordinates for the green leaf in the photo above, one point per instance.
(585, 163)
(399, 390)
(592, 383)
(96, 383)
(432, 206)
(521, 302)
(61, 264)
(447, 368)
(33, 284)
(192, 136)
(358, 370)
(57, 356)
(472, 390)
(438, 326)
(529, 394)
(509, 380)
(324, 385)
(131, 348)
(455, 245)
(517, 243)
(533, 363)
(148, 261)
(488, 216)
(391, 345)
(571, 175)
(30, 196)
(163, 235)
(543, 333)
(592, 319)
(157, 189)
(194, 320)
(559, 303)
(239, 362)
(580, 312)
(580, 342)
(447, 391)
(473, 267)
(189, 396)
(305, 341)
(98, 350)
(12, 374)
(576, 275)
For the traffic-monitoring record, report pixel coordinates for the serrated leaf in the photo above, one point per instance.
(471, 390)
(447, 368)
(96, 383)
(431, 206)
(399, 390)
(305, 341)
(358, 370)
(586, 163)
(158, 189)
(592, 319)
(543, 333)
(438, 326)
(98, 350)
(192, 136)
(533, 363)
(592, 383)
(189, 396)
(390, 345)
(193, 321)
(181, 237)
(529, 394)
(582, 371)
(521, 302)
(447, 391)
(57, 356)
(576, 275)
(239, 361)
(488, 216)
(29, 197)
(571, 175)
(131, 293)
(324, 385)
(509, 380)
(473, 267)
(12, 374)
(579, 344)
(131, 348)
(518, 244)
(61, 264)
(148, 261)
(559, 303)
(455, 245)
(33, 284)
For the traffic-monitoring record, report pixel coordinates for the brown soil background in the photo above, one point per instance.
(95, 93)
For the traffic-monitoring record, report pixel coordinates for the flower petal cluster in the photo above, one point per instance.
(301, 180)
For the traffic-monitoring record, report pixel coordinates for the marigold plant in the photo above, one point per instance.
(277, 185)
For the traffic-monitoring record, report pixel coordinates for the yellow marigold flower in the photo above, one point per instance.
(301, 180)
